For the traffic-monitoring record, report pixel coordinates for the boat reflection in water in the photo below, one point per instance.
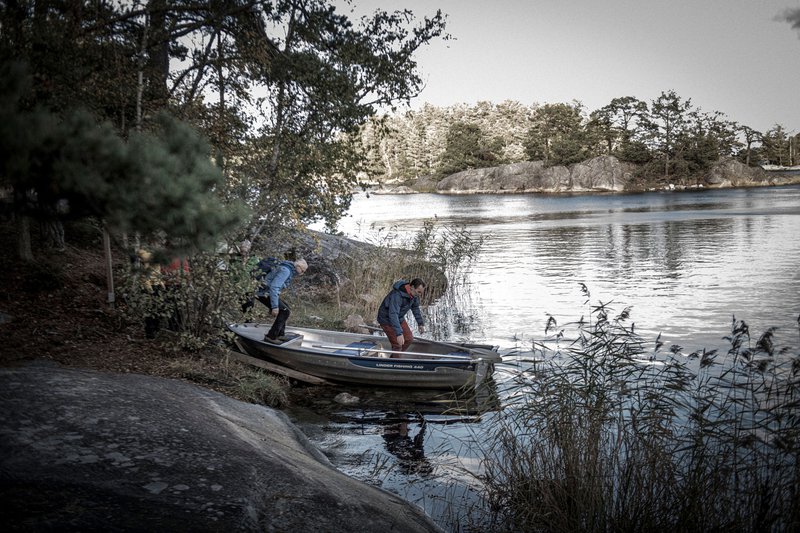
(391, 435)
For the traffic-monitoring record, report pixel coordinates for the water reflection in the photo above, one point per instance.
(420, 445)
(409, 451)
(685, 264)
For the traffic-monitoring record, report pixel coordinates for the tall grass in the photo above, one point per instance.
(435, 254)
(610, 433)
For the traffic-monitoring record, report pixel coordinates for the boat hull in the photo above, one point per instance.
(434, 366)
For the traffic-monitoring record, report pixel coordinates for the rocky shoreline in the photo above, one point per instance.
(603, 174)
(102, 429)
(90, 451)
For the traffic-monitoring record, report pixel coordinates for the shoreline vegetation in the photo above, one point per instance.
(609, 434)
(609, 431)
(55, 307)
(603, 174)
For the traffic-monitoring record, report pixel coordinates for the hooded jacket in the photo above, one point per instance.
(395, 306)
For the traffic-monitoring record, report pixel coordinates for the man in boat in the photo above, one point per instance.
(277, 279)
(403, 297)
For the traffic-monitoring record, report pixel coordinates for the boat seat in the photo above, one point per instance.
(362, 348)
(294, 339)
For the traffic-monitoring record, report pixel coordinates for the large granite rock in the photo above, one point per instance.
(86, 451)
(604, 173)
(729, 172)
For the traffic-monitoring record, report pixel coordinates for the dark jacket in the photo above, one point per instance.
(395, 306)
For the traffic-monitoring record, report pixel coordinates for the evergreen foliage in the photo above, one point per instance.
(669, 137)
(159, 181)
(467, 147)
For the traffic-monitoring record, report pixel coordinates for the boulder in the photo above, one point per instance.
(516, 177)
(88, 451)
(425, 184)
(729, 172)
(321, 250)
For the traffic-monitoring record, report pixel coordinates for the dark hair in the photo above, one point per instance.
(416, 282)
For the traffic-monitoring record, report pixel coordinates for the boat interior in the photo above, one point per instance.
(359, 345)
(369, 346)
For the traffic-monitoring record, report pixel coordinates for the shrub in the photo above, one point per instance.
(199, 306)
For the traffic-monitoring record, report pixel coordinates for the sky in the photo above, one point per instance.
(732, 56)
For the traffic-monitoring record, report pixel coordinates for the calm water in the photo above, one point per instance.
(684, 262)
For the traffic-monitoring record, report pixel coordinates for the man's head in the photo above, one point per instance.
(300, 266)
(417, 287)
(144, 256)
(245, 246)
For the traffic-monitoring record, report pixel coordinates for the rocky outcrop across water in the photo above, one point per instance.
(89, 451)
(603, 174)
(732, 173)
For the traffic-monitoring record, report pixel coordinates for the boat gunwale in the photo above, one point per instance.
(433, 361)
(474, 357)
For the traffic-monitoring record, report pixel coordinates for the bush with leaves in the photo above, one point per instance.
(199, 306)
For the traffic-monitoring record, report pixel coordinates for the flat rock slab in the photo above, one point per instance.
(82, 450)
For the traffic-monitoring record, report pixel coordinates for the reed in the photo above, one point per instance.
(436, 254)
(611, 433)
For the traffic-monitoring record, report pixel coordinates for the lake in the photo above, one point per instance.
(684, 262)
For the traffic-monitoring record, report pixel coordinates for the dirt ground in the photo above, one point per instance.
(56, 310)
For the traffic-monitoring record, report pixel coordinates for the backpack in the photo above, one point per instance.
(264, 267)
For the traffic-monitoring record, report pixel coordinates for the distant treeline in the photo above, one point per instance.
(668, 138)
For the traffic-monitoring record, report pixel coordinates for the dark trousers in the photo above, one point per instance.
(408, 337)
(278, 328)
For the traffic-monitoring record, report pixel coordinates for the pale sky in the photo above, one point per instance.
(732, 56)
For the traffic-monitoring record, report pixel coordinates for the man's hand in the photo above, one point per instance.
(401, 341)
(422, 329)
(274, 312)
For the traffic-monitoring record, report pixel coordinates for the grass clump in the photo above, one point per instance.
(610, 434)
(261, 387)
